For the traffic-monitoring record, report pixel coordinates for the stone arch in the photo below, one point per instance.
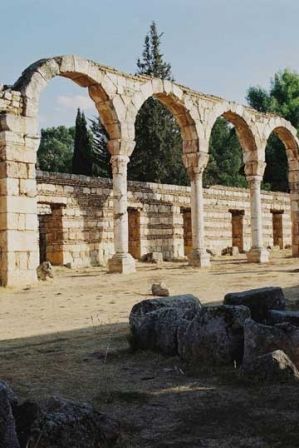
(243, 122)
(83, 72)
(178, 103)
(287, 134)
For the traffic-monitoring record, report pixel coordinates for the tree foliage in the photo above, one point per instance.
(225, 166)
(157, 156)
(282, 99)
(56, 149)
(100, 155)
(82, 161)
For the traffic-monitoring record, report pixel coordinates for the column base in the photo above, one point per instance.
(122, 264)
(199, 259)
(257, 255)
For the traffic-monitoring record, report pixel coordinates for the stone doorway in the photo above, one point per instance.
(134, 232)
(238, 229)
(42, 225)
(187, 225)
(51, 233)
(277, 227)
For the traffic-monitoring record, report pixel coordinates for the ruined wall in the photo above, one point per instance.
(78, 218)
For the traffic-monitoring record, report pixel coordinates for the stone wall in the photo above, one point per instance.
(76, 218)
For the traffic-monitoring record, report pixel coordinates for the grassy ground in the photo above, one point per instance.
(159, 401)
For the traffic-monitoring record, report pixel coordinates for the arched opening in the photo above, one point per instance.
(162, 125)
(231, 142)
(164, 131)
(61, 103)
(230, 139)
(281, 155)
(71, 233)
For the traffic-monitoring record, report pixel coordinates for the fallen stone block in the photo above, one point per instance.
(60, 423)
(154, 323)
(186, 302)
(259, 301)
(273, 366)
(278, 317)
(260, 339)
(214, 336)
(8, 435)
(157, 331)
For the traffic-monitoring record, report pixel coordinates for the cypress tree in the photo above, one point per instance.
(157, 156)
(82, 163)
(100, 155)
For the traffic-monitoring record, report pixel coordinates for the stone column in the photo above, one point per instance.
(294, 196)
(254, 175)
(121, 261)
(195, 163)
(19, 251)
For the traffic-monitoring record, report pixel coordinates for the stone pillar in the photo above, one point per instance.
(254, 175)
(294, 196)
(121, 261)
(195, 163)
(19, 251)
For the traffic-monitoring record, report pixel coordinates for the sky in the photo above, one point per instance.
(221, 47)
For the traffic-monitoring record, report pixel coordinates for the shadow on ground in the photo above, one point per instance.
(159, 401)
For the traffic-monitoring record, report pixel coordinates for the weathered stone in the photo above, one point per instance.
(260, 339)
(214, 336)
(118, 97)
(44, 271)
(154, 323)
(235, 251)
(153, 257)
(273, 366)
(185, 302)
(157, 330)
(160, 289)
(63, 423)
(259, 301)
(8, 436)
(278, 317)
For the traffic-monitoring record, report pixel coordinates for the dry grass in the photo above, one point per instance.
(158, 400)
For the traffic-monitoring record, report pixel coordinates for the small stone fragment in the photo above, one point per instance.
(160, 289)
(44, 271)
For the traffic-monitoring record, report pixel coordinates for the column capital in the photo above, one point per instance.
(121, 146)
(195, 163)
(254, 169)
(119, 163)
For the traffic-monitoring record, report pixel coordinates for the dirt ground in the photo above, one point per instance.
(68, 337)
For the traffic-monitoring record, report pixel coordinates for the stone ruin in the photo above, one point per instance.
(118, 98)
(251, 330)
(53, 422)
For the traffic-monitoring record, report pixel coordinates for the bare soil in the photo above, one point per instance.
(68, 337)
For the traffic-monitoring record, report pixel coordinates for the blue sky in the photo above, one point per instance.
(215, 46)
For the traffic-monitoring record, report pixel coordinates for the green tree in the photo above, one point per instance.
(225, 166)
(56, 149)
(100, 155)
(282, 99)
(157, 156)
(81, 162)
